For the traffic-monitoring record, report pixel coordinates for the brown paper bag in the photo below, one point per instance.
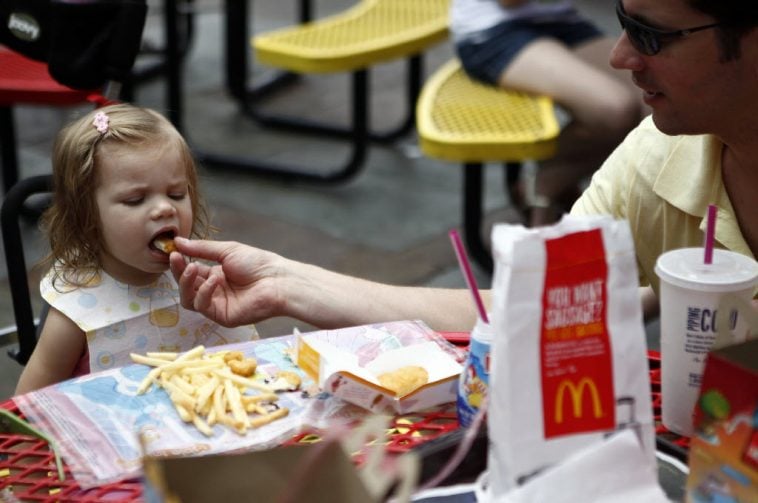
(271, 476)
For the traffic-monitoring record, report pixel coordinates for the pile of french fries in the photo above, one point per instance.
(205, 391)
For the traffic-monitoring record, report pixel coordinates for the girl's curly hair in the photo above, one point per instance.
(72, 222)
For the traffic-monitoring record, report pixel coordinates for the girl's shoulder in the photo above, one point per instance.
(64, 281)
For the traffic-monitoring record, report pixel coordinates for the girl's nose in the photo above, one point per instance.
(163, 209)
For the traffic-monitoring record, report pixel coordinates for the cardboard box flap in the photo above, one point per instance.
(349, 367)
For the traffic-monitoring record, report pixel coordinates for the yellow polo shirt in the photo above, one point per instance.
(663, 185)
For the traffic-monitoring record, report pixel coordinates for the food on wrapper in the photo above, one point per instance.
(405, 379)
(240, 365)
(285, 380)
(206, 390)
(164, 244)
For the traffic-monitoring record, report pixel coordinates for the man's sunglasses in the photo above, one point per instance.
(649, 40)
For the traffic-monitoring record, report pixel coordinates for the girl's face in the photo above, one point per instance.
(142, 193)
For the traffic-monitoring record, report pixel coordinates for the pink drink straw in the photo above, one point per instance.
(710, 234)
(460, 252)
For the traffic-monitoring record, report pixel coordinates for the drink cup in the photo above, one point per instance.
(690, 293)
(473, 383)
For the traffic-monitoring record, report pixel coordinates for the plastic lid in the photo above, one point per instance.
(482, 331)
(730, 271)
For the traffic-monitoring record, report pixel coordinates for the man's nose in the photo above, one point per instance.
(624, 56)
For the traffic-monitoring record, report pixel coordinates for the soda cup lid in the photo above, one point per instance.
(482, 331)
(730, 271)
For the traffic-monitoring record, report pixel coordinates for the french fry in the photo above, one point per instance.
(179, 396)
(183, 412)
(243, 381)
(219, 404)
(205, 392)
(182, 384)
(147, 360)
(211, 416)
(264, 420)
(235, 405)
(263, 397)
(205, 389)
(163, 355)
(202, 425)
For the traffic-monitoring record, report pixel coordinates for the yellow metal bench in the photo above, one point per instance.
(369, 33)
(461, 120)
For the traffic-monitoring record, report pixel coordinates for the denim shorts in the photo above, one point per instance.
(486, 55)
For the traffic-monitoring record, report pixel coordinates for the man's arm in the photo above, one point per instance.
(246, 285)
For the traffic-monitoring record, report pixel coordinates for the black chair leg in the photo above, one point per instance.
(473, 199)
(8, 153)
(238, 49)
(359, 145)
(14, 253)
(414, 76)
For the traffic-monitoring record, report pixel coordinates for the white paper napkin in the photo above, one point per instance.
(615, 471)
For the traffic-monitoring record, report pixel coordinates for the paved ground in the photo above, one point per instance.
(390, 223)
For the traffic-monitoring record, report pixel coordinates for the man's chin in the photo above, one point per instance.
(671, 127)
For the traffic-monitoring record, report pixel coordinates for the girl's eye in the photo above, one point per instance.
(178, 197)
(135, 201)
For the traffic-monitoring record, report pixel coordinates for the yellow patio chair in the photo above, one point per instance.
(459, 119)
(366, 34)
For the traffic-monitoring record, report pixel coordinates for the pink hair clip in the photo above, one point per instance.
(101, 122)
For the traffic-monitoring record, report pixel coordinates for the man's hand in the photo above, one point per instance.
(237, 287)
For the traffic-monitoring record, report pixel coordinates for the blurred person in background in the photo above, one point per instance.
(547, 47)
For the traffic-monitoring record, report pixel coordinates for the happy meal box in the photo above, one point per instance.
(724, 450)
(390, 368)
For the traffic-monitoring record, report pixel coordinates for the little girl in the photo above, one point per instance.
(123, 178)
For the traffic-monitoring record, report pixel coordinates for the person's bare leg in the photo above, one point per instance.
(597, 53)
(602, 107)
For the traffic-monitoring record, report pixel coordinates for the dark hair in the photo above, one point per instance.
(736, 18)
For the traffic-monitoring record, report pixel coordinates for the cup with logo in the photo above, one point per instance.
(474, 380)
(690, 293)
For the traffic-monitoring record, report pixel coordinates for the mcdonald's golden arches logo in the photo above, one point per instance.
(576, 392)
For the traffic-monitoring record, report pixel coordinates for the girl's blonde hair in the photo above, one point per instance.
(72, 222)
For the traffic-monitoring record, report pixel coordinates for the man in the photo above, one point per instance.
(701, 144)
(696, 62)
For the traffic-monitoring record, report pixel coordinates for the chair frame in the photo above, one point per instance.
(237, 12)
(10, 213)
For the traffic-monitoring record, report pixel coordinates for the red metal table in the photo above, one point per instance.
(28, 466)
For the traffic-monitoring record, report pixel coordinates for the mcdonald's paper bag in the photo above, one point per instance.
(569, 363)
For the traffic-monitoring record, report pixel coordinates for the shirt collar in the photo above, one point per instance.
(690, 179)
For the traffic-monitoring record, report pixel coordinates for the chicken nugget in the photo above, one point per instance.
(405, 379)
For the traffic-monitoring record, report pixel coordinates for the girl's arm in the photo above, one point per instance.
(56, 355)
